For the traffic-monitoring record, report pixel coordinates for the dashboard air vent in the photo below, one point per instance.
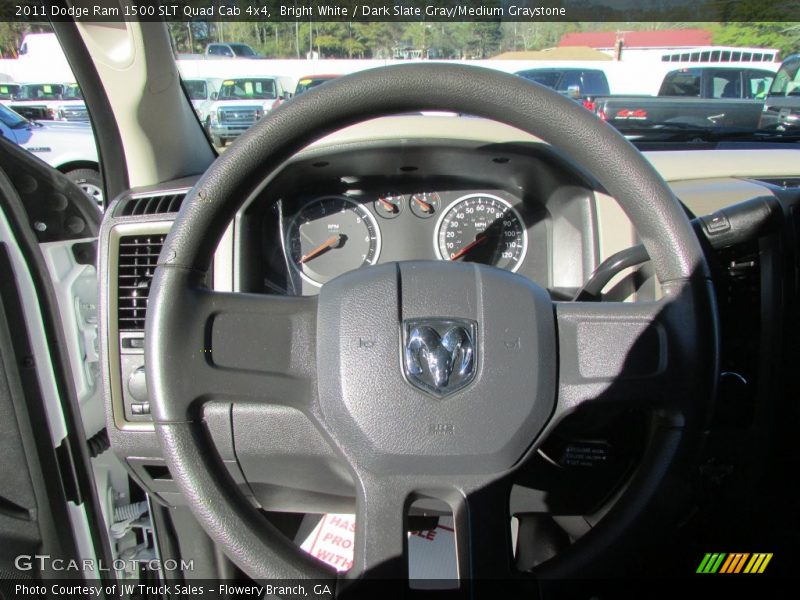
(138, 255)
(152, 205)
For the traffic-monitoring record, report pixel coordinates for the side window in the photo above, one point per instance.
(756, 84)
(71, 150)
(215, 50)
(726, 84)
(681, 83)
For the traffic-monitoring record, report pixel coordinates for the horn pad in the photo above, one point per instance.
(451, 363)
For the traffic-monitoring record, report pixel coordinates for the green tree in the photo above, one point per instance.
(784, 36)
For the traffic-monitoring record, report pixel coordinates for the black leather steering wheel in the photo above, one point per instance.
(659, 354)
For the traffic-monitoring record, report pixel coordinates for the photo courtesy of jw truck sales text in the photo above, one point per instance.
(352, 300)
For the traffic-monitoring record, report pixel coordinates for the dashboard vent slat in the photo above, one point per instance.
(138, 256)
(155, 204)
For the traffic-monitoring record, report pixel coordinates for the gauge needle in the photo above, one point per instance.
(478, 240)
(387, 205)
(331, 241)
(426, 206)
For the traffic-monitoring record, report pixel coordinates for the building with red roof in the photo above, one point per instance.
(662, 39)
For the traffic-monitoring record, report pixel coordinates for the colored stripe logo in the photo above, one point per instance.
(737, 562)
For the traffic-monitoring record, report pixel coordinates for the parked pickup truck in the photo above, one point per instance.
(241, 102)
(69, 147)
(224, 50)
(726, 97)
(232, 50)
(574, 82)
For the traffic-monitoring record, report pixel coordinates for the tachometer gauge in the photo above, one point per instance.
(482, 228)
(330, 236)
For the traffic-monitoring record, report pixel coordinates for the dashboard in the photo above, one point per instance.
(513, 207)
(498, 197)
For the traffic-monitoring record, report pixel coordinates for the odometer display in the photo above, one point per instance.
(482, 228)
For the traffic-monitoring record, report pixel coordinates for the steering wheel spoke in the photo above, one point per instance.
(483, 532)
(381, 545)
(627, 353)
(240, 347)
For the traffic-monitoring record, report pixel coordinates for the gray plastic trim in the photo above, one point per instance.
(111, 325)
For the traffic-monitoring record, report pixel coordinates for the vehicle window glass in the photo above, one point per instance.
(726, 85)
(51, 98)
(248, 89)
(196, 88)
(787, 80)
(11, 119)
(595, 83)
(681, 83)
(72, 92)
(7, 92)
(216, 50)
(40, 92)
(756, 84)
(546, 78)
(570, 79)
(242, 50)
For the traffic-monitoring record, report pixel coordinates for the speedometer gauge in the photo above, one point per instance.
(482, 228)
(330, 236)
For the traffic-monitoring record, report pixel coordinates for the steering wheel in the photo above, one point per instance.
(400, 440)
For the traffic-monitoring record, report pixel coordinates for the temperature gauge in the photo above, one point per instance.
(425, 204)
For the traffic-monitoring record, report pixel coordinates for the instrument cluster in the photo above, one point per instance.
(332, 234)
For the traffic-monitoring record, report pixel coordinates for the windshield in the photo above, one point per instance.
(651, 80)
(196, 88)
(787, 81)
(541, 76)
(242, 50)
(306, 83)
(8, 92)
(41, 91)
(248, 89)
(72, 92)
(12, 119)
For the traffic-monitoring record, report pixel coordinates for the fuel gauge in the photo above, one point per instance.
(389, 205)
(425, 204)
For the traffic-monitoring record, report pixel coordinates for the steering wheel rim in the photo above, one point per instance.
(680, 329)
